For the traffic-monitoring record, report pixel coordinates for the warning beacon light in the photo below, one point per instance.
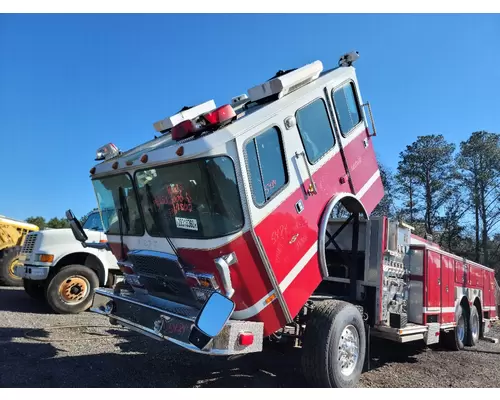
(106, 152)
(186, 114)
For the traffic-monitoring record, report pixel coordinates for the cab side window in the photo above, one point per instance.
(346, 108)
(266, 165)
(315, 130)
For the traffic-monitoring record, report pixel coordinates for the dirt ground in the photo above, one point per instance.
(42, 349)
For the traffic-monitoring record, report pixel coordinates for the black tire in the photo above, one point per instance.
(320, 359)
(455, 340)
(7, 257)
(34, 289)
(473, 327)
(62, 291)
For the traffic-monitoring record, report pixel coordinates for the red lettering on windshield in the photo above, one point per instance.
(177, 197)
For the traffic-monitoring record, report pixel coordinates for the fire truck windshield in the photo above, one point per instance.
(108, 199)
(194, 199)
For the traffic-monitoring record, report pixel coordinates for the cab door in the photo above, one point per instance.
(361, 175)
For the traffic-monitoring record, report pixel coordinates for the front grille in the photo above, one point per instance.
(163, 276)
(29, 244)
(157, 265)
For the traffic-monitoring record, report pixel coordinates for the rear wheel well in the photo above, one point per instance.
(352, 204)
(89, 260)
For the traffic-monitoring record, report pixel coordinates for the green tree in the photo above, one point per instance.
(407, 190)
(479, 162)
(427, 170)
(453, 232)
(386, 206)
(56, 223)
(38, 221)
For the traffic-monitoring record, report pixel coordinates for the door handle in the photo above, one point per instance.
(312, 187)
(299, 206)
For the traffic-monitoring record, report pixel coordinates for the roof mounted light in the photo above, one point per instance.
(282, 85)
(207, 122)
(220, 115)
(184, 129)
(185, 114)
(106, 152)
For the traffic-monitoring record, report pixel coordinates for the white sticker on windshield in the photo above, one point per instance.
(186, 223)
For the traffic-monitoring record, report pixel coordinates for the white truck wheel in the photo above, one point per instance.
(71, 289)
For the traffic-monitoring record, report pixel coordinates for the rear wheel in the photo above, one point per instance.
(334, 345)
(473, 327)
(70, 290)
(9, 258)
(456, 339)
(34, 289)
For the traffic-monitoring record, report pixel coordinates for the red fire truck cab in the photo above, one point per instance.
(223, 230)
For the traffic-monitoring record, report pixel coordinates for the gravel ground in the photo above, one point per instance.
(42, 349)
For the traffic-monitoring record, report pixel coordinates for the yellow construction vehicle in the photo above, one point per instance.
(12, 235)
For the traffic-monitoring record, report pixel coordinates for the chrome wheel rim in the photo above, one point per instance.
(475, 326)
(348, 350)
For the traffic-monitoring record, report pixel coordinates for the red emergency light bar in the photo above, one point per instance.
(211, 120)
(220, 115)
(184, 130)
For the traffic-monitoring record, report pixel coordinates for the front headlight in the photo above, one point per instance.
(45, 258)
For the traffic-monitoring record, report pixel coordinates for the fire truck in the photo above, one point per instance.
(226, 236)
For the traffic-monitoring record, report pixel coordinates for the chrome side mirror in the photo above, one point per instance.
(213, 316)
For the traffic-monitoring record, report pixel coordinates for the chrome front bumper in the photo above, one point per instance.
(31, 272)
(172, 322)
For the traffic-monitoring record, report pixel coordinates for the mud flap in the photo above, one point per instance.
(432, 334)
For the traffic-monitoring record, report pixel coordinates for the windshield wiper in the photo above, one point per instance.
(158, 220)
(122, 218)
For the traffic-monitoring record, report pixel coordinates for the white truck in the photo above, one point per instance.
(55, 268)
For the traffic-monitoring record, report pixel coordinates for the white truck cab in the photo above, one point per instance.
(56, 268)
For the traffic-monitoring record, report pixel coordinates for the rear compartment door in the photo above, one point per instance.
(447, 289)
(489, 290)
(433, 285)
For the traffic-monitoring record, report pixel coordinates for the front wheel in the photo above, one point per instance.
(70, 290)
(334, 345)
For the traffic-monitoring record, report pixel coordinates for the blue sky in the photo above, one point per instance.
(71, 83)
